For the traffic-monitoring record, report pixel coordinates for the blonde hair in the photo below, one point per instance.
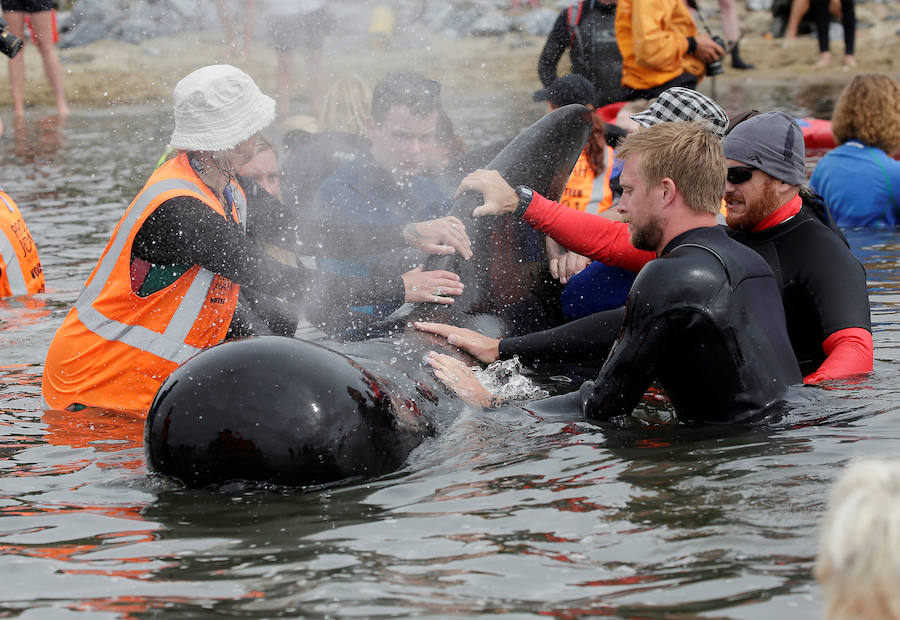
(346, 106)
(868, 110)
(262, 145)
(689, 154)
(859, 551)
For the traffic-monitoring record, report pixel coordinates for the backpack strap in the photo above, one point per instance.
(572, 18)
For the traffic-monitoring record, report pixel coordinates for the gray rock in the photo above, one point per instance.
(759, 5)
(538, 22)
(490, 24)
(89, 21)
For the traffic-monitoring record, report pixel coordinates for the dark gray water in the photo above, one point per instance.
(503, 514)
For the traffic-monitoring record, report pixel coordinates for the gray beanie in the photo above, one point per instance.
(772, 142)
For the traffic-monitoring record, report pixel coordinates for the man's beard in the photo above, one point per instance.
(648, 236)
(756, 212)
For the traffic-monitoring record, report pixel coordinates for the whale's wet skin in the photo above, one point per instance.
(499, 512)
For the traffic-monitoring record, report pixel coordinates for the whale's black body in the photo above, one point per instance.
(289, 411)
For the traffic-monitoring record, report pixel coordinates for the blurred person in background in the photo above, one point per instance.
(661, 47)
(329, 143)
(230, 29)
(858, 564)
(588, 30)
(293, 25)
(860, 180)
(40, 14)
(262, 169)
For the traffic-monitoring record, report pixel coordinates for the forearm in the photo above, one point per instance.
(186, 232)
(553, 51)
(596, 237)
(849, 352)
(587, 340)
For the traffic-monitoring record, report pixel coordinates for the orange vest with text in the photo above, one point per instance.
(586, 192)
(20, 268)
(115, 348)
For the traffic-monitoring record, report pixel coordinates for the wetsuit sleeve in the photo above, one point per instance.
(184, 231)
(271, 221)
(836, 282)
(850, 352)
(557, 42)
(590, 235)
(585, 340)
(629, 369)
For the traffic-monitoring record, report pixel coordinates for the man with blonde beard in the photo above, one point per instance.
(823, 286)
(704, 320)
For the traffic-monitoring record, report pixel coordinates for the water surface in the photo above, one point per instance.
(503, 514)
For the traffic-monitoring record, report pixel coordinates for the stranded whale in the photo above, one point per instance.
(289, 411)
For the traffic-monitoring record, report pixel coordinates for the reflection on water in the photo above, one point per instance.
(503, 513)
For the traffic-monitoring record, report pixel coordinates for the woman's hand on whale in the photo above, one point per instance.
(432, 286)
(460, 378)
(499, 196)
(483, 347)
(444, 235)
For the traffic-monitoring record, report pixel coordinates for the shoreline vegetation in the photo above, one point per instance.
(109, 72)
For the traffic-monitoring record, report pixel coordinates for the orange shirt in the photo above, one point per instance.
(652, 37)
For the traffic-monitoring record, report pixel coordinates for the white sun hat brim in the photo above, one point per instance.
(216, 108)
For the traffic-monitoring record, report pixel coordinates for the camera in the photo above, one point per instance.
(10, 44)
(714, 68)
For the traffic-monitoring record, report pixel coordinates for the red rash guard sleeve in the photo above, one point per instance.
(590, 235)
(850, 352)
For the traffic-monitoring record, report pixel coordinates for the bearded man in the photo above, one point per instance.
(704, 320)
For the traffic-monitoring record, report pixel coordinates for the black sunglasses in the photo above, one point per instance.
(739, 174)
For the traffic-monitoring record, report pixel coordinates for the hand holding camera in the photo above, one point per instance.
(709, 49)
(10, 44)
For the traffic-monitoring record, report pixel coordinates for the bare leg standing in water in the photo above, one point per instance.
(732, 30)
(848, 21)
(42, 24)
(228, 26)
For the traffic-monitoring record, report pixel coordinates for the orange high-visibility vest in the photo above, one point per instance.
(586, 192)
(21, 272)
(115, 348)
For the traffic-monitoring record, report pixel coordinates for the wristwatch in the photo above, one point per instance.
(525, 194)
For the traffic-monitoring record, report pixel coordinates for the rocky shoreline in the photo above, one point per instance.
(496, 51)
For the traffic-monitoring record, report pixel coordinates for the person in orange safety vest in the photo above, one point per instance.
(21, 272)
(590, 286)
(168, 283)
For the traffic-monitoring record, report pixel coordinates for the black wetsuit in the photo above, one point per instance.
(592, 48)
(183, 231)
(823, 285)
(706, 322)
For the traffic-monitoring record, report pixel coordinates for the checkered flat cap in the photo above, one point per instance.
(684, 104)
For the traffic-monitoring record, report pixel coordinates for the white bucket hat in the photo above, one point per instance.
(216, 108)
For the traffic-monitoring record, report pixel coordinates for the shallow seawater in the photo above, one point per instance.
(504, 513)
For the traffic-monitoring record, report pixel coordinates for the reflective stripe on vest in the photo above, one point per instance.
(170, 344)
(13, 271)
(599, 191)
